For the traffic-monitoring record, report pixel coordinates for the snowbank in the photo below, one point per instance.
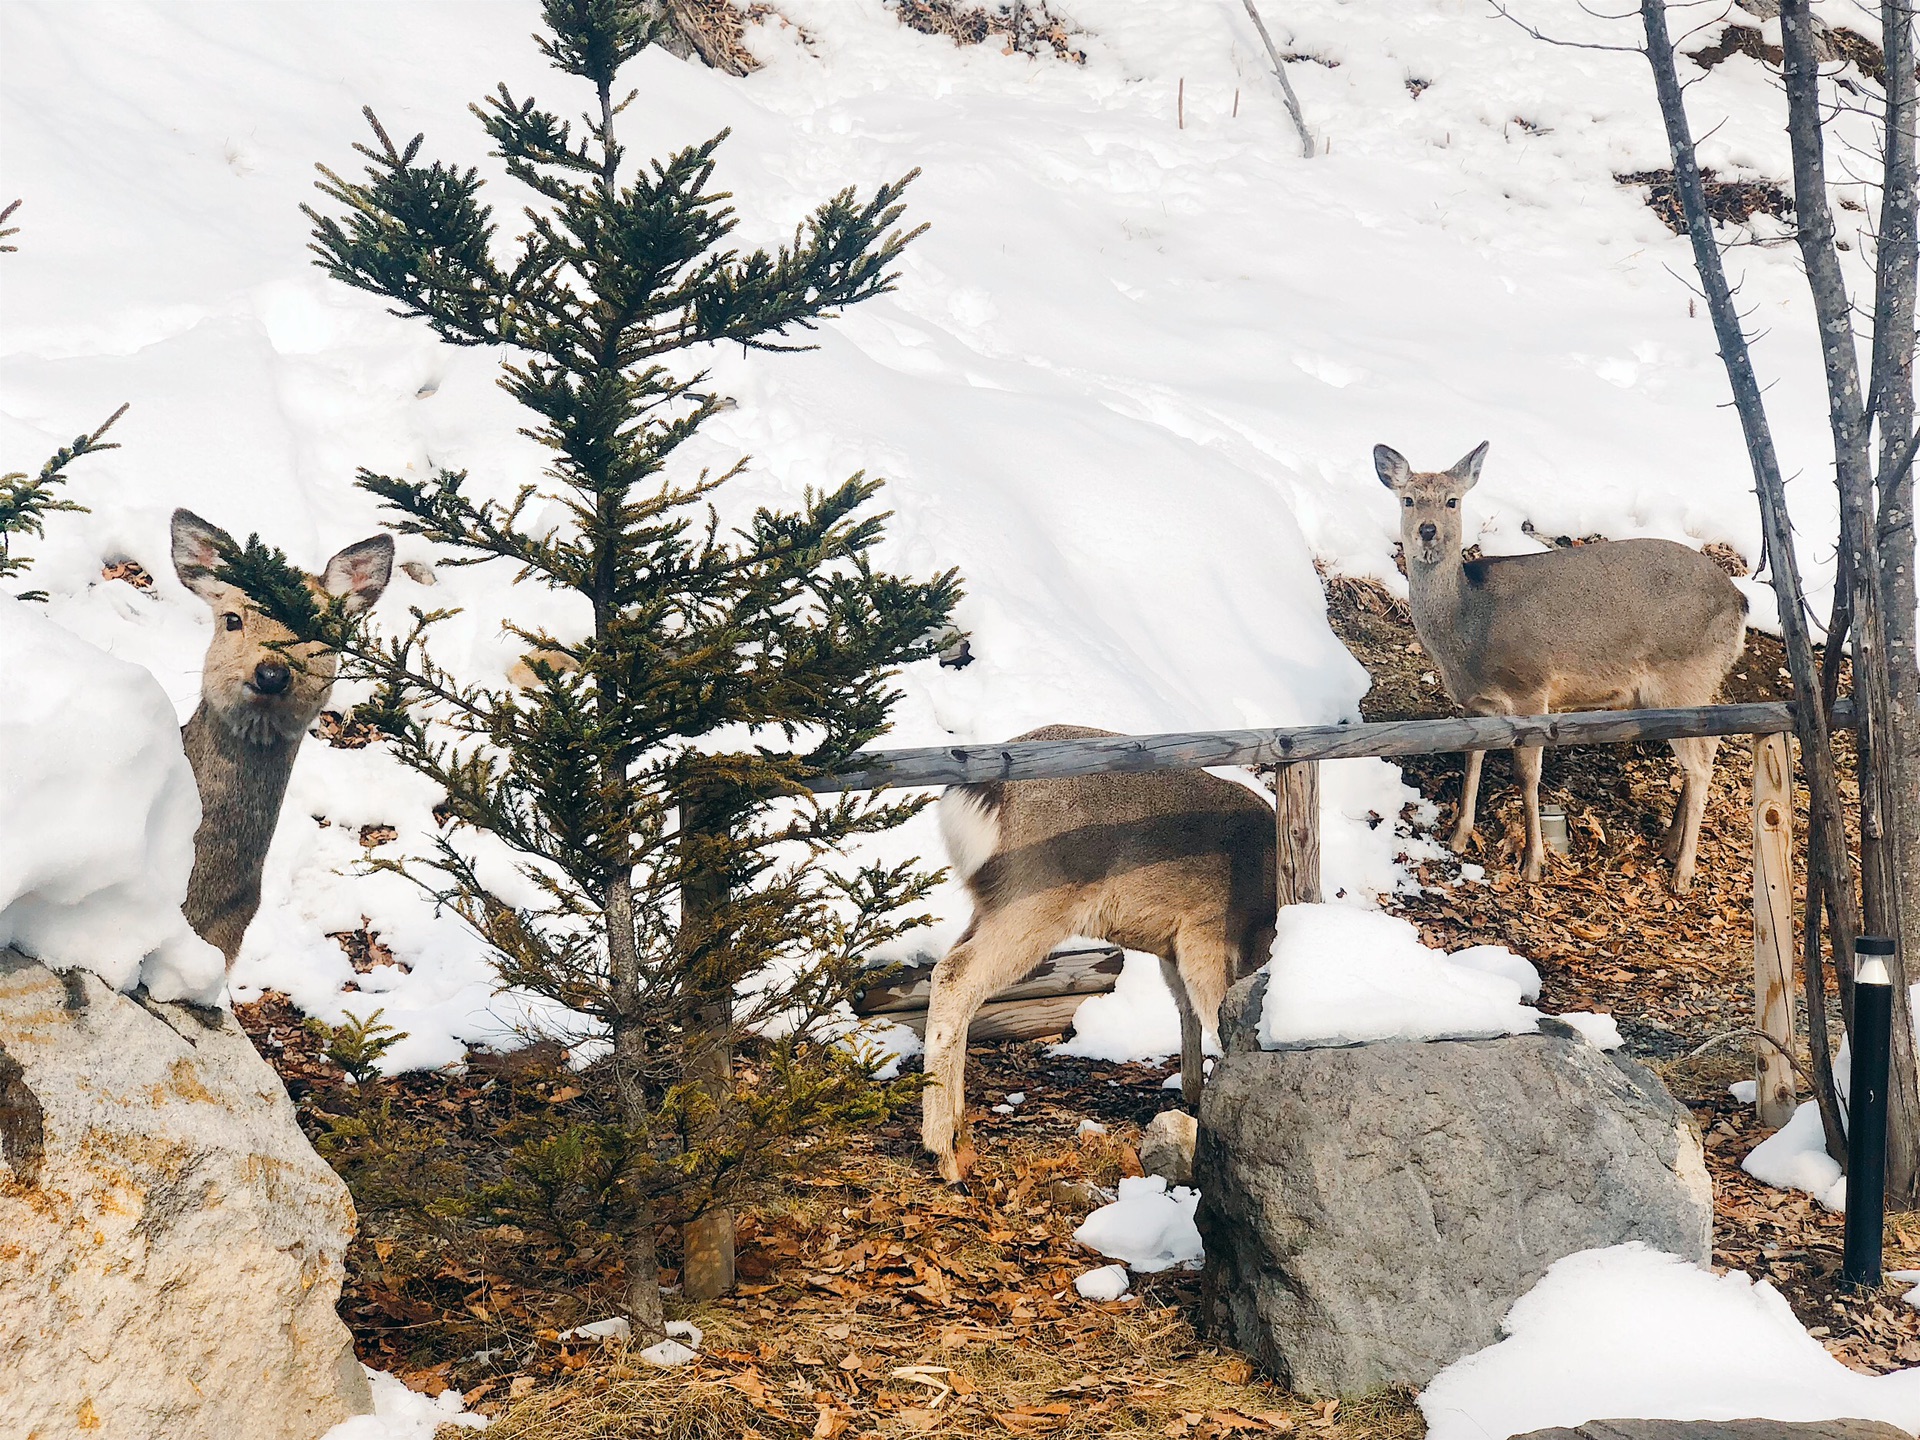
(1149, 1227)
(1340, 976)
(1629, 1333)
(401, 1414)
(99, 809)
(1128, 381)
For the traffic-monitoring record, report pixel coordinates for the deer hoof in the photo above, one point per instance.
(1532, 871)
(1460, 841)
(1682, 884)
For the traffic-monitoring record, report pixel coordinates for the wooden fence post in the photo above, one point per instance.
(1773, 945)
(1296, 816)
(706, 1266)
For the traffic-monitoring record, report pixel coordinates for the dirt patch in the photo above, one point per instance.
(1025, 27)
(1729, 202)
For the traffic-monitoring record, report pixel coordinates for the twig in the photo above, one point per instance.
(1750, 1034)
(1286, 85)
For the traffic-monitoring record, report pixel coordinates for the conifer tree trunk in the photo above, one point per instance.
(641, 1248)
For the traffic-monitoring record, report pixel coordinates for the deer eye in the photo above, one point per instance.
(1407, 500)
(234, 622)
(1453, 504)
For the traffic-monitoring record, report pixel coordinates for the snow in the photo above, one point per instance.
(1341, 975)
(1499, 960)
(401, 1414)
(100, 809)
(1148, 1226)
(1091, 1127)
(1745, 1091)
(1630, 1333)
(1109, 1282)
(1110, 318)
(1795, 1157)
(667, 1353)
(1600, 1031)
(617, 1327)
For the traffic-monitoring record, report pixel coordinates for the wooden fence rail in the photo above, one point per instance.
(1131, 754)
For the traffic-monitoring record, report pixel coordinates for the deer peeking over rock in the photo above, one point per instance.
(1177, 863)
(1615, 625)
(258, 694)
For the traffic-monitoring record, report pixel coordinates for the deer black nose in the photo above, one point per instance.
(271, 678)
(1427, 531)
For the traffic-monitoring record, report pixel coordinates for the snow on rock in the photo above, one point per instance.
(403, 1414)
(1499, 960)
(1149, 1226)
(1630, 1333)
(1795, 1157)
(100, 808)
(1341, 975)
(1599, 1030)
(1109, 1282)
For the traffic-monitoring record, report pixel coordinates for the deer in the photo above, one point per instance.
(259, 692)
(1176, 863)
(1612, 625)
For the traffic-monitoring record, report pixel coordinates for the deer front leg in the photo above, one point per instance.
(1469, 797)
(1527, 761)
(1682, 840)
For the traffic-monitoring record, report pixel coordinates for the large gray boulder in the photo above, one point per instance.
(1723, 1430)
(1371, 1212)
(171, 1248)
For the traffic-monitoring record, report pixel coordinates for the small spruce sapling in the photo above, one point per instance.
(652, 780)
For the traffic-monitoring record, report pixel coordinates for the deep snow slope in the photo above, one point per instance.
(1128, 383)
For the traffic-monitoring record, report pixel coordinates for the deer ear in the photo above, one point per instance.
(360, 572)
(196, 553)
(1391, 466)
(1467, 468)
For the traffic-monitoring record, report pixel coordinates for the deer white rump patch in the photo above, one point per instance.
(971, 830)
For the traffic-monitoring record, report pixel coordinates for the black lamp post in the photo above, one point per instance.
(1870, 1041)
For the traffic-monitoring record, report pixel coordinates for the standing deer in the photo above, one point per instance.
(1177, 863)
(258, 695)
(1616, 625)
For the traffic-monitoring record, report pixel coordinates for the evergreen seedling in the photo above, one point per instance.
(679, 884)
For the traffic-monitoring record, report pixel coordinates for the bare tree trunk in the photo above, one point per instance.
(1828, 839)
(1891, 542)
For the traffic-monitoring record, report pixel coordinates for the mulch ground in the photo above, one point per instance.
(876, 1302)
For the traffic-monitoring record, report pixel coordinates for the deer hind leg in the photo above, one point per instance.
(998, 948)
(1682, 839)
(1199, 978)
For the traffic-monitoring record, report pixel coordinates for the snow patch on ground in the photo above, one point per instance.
(1630, 1333)
(1109, 1282)
(401, 1414)
(97, 813)
(1795, 1157)
(1149, 1227)
(1341, 976)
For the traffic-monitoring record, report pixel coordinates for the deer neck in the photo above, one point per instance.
(1441, 602)
(241, 783)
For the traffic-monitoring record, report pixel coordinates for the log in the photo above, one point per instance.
(1005, 1019)
(1773, 947)
(1296, 820)
(1133, 754)
(1078, 972)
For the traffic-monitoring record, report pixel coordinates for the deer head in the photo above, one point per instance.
(1429, 501)
(258, 683)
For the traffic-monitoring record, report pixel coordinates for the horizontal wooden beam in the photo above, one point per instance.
(1131, 754)
(1084, 970)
